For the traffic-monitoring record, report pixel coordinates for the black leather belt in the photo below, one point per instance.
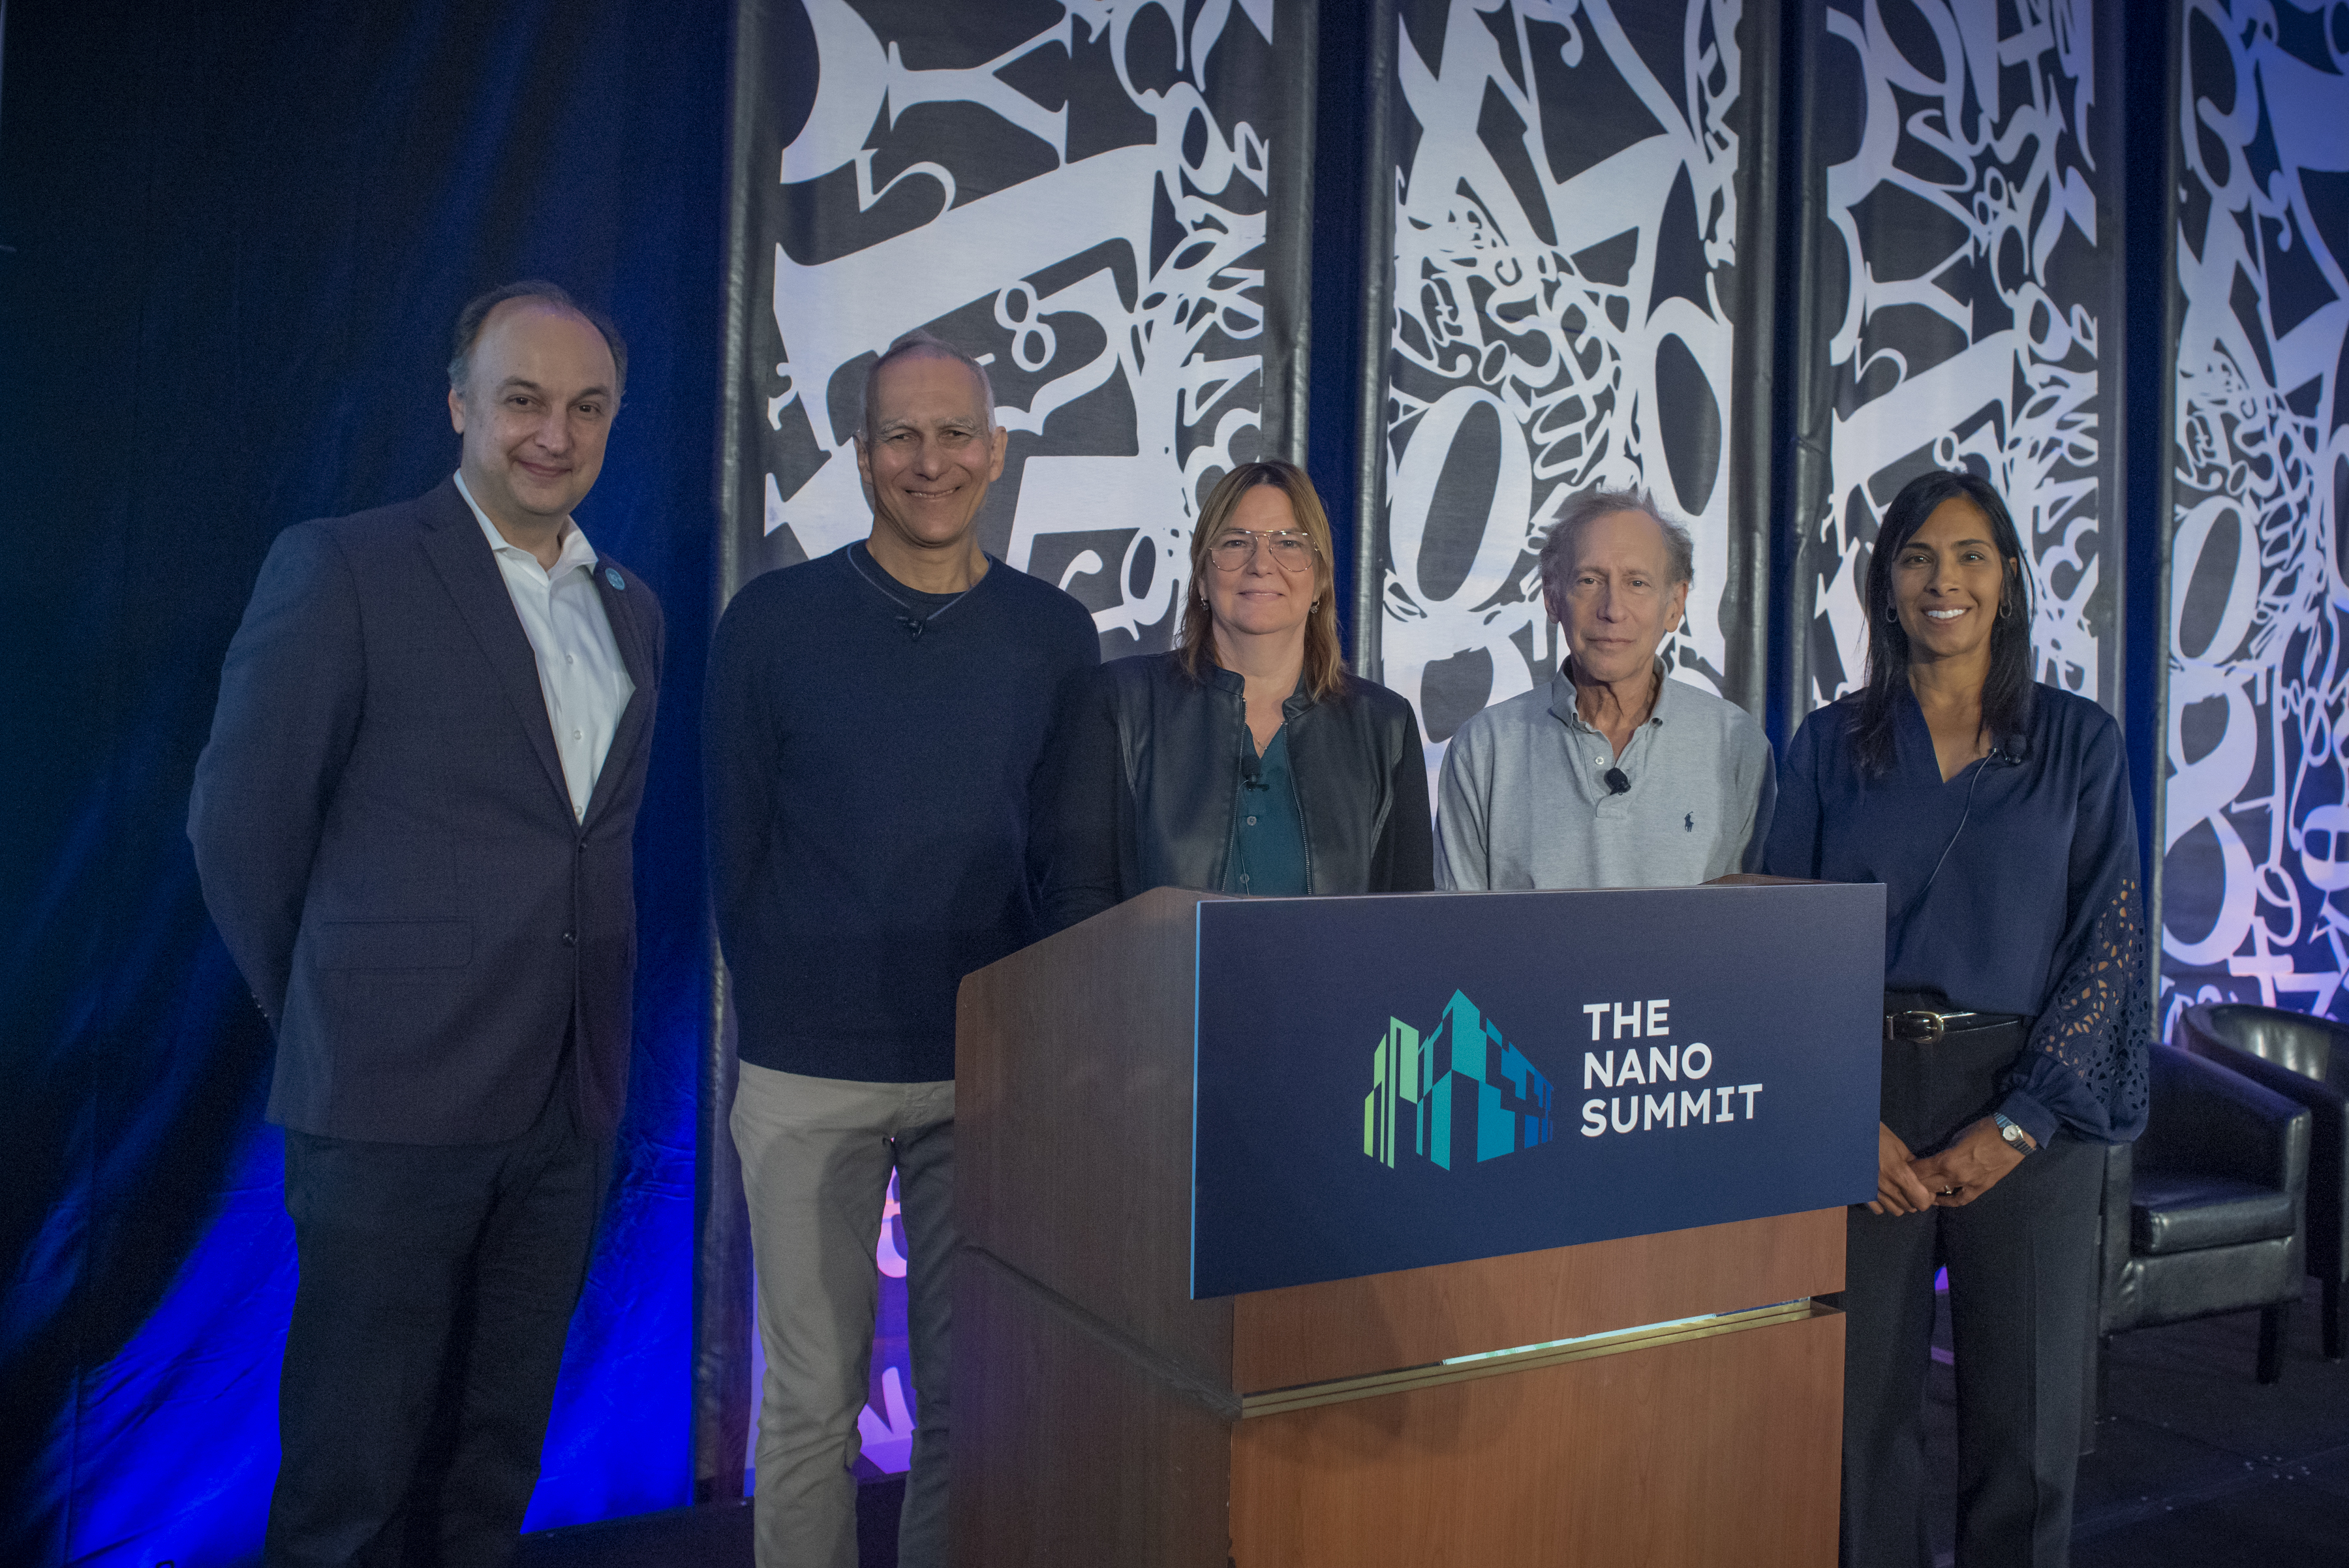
(1922, 1028)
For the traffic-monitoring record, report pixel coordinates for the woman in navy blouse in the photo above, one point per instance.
(1996, 812)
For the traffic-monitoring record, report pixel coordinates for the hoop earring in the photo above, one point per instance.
(1891, 615)
(2005, 608)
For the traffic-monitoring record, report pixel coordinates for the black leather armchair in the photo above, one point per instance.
(2304, 1059)
(2204, 1213)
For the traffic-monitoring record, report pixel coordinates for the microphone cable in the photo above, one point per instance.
(915, 625)
(1997, 754)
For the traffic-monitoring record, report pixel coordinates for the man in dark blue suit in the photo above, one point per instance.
(413, 823)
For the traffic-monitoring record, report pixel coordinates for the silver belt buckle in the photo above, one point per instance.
(1922, 1028)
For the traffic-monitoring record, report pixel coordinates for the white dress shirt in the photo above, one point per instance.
(580, 672)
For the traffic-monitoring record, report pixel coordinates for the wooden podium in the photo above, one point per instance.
(1104, 1418)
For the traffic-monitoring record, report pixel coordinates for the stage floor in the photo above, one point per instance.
(715, 1536)
(2196, 1465)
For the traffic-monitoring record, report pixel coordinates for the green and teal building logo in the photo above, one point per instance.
(1458, 1096)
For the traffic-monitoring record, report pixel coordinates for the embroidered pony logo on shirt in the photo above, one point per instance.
(1689, 822)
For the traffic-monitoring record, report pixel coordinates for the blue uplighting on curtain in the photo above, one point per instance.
(230, 251)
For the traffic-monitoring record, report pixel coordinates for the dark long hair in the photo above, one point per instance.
(2006, 689)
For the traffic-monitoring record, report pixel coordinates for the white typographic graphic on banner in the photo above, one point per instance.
(1082, 205)
(1078, 195)
(1566, 218)
(1959, 284)
(2255, 834)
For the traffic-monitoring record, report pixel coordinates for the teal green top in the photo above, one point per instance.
(1267, 850)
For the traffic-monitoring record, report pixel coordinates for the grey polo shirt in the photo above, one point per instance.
(1523, 803)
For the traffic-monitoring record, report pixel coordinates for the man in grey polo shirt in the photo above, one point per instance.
(1614, 777)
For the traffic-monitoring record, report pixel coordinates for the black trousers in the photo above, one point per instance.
(437, 1286)
(2022, 1262)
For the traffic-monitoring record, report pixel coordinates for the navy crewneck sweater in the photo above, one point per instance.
(870, 789)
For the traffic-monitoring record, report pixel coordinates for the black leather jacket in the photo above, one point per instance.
(1150, 762)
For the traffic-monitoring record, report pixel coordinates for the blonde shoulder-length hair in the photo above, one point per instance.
(1325, 664)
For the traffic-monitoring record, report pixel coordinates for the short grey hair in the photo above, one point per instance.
(1586, 507)
(920, 344)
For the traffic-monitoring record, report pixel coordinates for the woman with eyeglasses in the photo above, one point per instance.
(1246, 759)
(1996, 812)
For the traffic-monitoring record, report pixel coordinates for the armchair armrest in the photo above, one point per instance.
(2328, 1156)
(2210, 1120)
(2113, 1228)
(2325, 1102)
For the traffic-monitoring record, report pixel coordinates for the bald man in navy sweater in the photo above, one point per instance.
(877, 723)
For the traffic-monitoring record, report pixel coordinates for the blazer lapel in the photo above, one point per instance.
(453, 541)
(627, 632)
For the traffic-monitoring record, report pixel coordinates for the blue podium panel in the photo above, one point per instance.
(1392, 1082)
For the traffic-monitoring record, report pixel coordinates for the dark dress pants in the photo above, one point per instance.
(2022, 1289)
(437, 1286)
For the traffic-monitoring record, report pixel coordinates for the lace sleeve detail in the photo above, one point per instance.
(2099, 1019)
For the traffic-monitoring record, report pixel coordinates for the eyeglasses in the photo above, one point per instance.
(1291, 551)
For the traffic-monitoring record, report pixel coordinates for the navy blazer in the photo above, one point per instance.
(386, 842)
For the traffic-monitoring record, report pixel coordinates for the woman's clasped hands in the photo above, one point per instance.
(1973, 1163)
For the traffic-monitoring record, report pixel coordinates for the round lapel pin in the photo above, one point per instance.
(612, 575)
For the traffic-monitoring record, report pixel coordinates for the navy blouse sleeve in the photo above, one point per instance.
(2084, 1068)
(1792, 849)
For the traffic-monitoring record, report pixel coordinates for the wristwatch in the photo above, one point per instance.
(2011, 1131)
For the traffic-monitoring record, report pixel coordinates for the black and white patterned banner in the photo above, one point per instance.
(1571, 195)
(1960, 291)
(2255, 819)
(1087, 196)
(1104, 202)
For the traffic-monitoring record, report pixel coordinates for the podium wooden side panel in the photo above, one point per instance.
(1355, 1328)
(1712, 1453)
(1068, 1451)
(1072, 1111)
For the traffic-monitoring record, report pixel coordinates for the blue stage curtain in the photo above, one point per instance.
(2255, 803)
(232, 243)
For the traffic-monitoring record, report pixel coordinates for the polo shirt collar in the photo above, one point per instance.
(1561, 698)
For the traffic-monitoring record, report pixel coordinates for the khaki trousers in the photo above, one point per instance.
(816, 1157)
